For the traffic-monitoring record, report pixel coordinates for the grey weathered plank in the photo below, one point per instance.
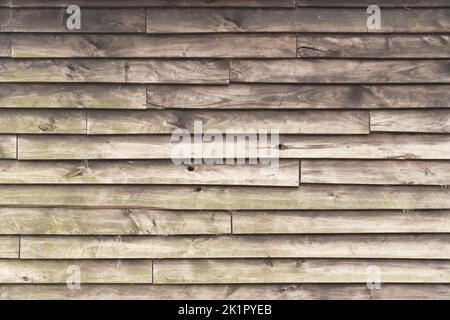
(306, 197)
(312, 222)
(42, 121)
(340, 71)
(380, 3)
(72, 96)
(376, 172)
(147, 172)
(61, 221)
(114, 71)
(274, 96)
(374, 146)
(373, 46)
(92, 20)
(5, 45)
(156, 3)
(313, 246)
(229, 271)
(238, 121)
(299, 20)
(62, 272)
(148, 46)
(5, 3)
(430, 121)
(8, 147)
(9, 247)
(224, 292)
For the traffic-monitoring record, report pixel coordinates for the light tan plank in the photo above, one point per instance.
(62, 272)
(9, 247)
(8, 144)
(376, 172)
(92, 20)
(286, 122)
(307, 197)
(114, 71)
(52, 221)
(141, 46)
(5, 45)
(72, 96)
(40, 121)
(273, 96)
(431, 121)
(298, 271)
(340, 71)
(312, 222)
(314, 246)
(147, 172)
(373, 46)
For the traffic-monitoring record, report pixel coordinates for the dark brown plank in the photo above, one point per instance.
(274, 96)
(341, 71)
(366, 3)
(373, 46)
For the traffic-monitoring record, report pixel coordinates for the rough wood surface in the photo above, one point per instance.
(340, 222)
(435, 121)
(9, 247)
(61, 272)
(313, 246)
(5, 45)
(72, 96)
(60, 221)
(376, 172)
(365, 4)
(8, 147)
(298, 271)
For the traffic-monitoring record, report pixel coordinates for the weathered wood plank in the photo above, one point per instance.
(72, 96)
(373, 46)
(61, 272)
(147, 172)
(5, 3)
(238, 121)
(313, 246)
(9, 247)
(273, 96)
(156, 3)
(8, 147)
(298, 271)
(5, 45)
(306, 197)
(365, 4)
(147, 46)
(430, 121)
(312, 222)
(41, 121)
(374, 146)
(299, 20)
(225, 292)
(52, 221)
(92, 20)
(114, 71)
(376, 172)
(340, 71)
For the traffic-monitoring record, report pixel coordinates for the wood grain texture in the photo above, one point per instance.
(5, 45)
(61, 272)
(365, 4)
(40, 121)
(306, 197)
(340, 71)
(224, 292)
(147, 172)
(52, 221)
(9, 247)
(376, 172)
(92, 20)
(435, 121)
(156, 3)
(286, 122)
(230, 271)
(340, 222)
(274, 96)
(8, 147)
(72, 96)
(373, 46)
(114, 71)
(314, 246)
(142, 46)
(5, 3)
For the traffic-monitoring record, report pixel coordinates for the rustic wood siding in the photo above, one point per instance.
(86, 177)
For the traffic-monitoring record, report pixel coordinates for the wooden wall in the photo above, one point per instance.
(86, 177)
